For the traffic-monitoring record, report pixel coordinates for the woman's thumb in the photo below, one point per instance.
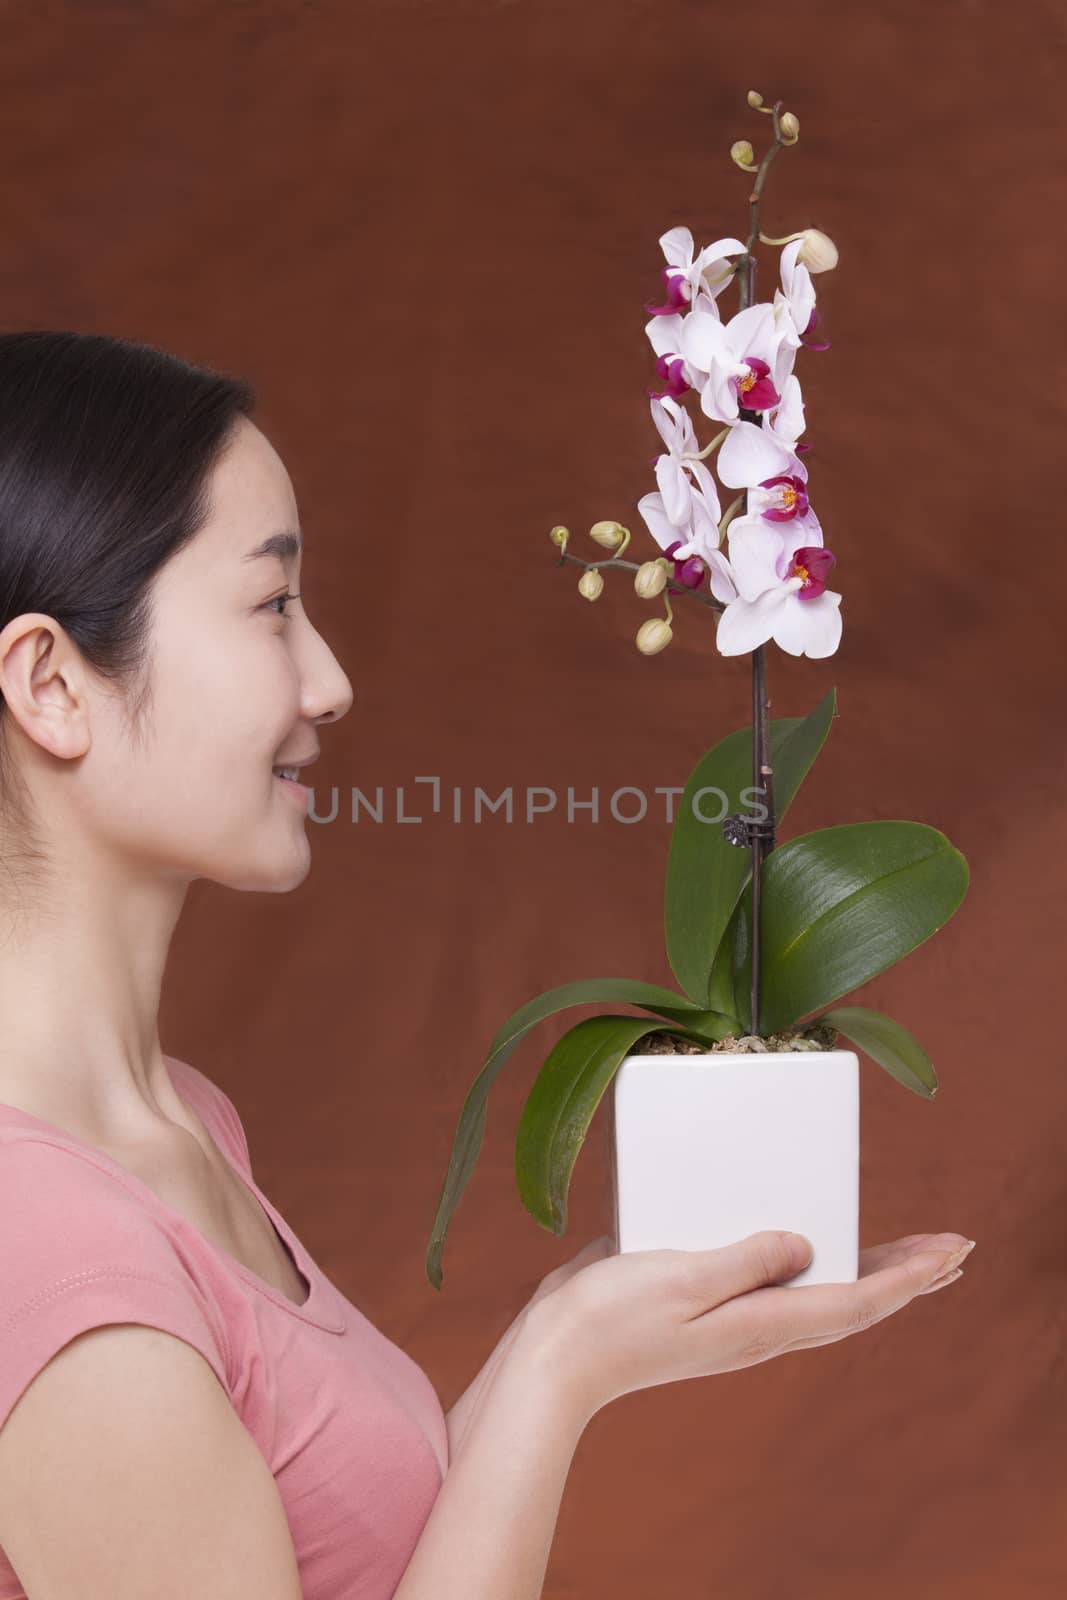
(754, 1262)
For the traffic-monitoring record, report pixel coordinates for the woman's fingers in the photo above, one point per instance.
(776, 1319)
(832, 1338)
(876, 1256)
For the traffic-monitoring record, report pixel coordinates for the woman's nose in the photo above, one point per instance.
(327, 693)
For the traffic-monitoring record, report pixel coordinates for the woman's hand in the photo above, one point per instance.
(617, 1323)
(458, 1416)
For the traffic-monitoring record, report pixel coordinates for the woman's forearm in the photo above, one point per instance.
(459, 1414)
(489, 1534)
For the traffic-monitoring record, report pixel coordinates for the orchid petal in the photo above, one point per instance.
(787, 263)
(663, 420)
(723, 247)
(748, 454)
(745, 330)
(677, 246)
(702, 338)
(720, 577)
(708, 488)
(809, 627)
(755, 551)
(746, 624)
(674, 489)
(704, 516)
(664, 334)
(804, 530)
(656, 520)
(788, 422)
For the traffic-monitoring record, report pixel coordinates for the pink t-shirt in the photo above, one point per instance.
(350, 1426)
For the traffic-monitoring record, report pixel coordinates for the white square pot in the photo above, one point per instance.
(706, 1149)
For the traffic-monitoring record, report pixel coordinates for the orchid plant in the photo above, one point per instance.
(762, 936)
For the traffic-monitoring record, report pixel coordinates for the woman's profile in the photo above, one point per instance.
(188, 1405)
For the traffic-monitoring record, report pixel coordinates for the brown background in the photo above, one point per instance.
(426, 232)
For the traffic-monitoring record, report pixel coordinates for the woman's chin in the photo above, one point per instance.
(279, 868)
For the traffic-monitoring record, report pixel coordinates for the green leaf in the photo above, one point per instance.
(887, 1042)
(841, 905)
(710, 1025)
(721, 990)
(560, 1107)
(471, 1126)
(705, 875)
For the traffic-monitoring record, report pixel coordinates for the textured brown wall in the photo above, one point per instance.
(426, 231)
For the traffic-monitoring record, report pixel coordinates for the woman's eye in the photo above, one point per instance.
(281, 600)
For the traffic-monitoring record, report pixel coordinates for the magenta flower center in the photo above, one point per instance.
(791, 498)
(690, 572)
(812, 563)
(678, 296)
(754, 388)
(670, 370)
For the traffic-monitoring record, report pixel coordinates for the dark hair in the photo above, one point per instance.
(106, 452)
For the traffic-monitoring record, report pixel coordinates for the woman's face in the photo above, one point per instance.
(240, 680)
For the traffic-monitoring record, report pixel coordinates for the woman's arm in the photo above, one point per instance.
(458, 1415)
(489, 1534)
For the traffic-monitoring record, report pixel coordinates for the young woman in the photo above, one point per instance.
(188, 1406)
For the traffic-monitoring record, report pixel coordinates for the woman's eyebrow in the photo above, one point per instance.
(286, 545)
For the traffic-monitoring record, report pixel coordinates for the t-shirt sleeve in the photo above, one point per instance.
(79, 1250)
(234, 1126)
(220, 1111)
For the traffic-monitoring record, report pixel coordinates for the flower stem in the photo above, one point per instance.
(762, 773)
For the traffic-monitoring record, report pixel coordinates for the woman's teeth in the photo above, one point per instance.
(292, 773)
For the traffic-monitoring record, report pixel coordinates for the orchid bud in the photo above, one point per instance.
(789, 125)
(754, 98)
(609, 534)
(651, 579)
(653, 636)
(559, 535)
(818, 252)
(591, 584)
(742, 152)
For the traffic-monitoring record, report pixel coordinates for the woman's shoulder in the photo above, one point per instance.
(79, 1249)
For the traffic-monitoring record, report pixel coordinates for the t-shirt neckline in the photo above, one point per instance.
(320, 1308)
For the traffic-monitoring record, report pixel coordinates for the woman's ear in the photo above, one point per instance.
(43, 682)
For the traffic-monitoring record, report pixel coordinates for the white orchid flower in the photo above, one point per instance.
(747, 359)
(781, 592)
(795, 301)
(693, 546)
(673, 370)
(783, 499)
(748, 362)
(675, 428)
(690, 278)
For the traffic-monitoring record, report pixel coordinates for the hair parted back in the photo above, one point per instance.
(106, 451)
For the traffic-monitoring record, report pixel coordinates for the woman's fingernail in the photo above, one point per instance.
(940, 1283)
(954, 1258)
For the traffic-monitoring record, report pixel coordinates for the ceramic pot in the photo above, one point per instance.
(706, 1149)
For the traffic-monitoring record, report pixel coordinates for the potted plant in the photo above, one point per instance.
(734, 1103)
